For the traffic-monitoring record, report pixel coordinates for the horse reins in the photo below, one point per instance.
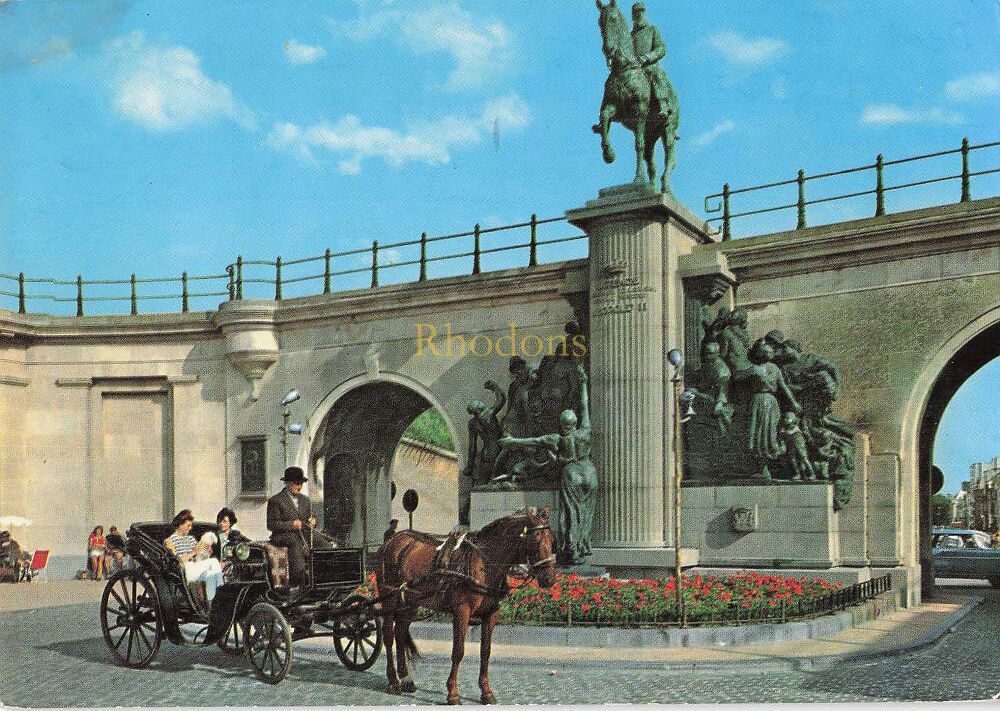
(468, 579)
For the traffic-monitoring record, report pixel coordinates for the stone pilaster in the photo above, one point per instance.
(636, 317)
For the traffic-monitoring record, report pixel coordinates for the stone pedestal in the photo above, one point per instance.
(761, 526)
(636, 316)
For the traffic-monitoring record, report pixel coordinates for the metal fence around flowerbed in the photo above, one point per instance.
(735, 613)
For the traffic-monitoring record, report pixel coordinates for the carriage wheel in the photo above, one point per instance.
(234, 640)
(357, 634)
(131, 618)
(268, 643)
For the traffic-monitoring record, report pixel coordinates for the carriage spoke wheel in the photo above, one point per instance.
(357, 634)
(268, 643)
(131, 618)
(234, 640)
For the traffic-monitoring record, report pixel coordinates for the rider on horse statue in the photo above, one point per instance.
(649, 50)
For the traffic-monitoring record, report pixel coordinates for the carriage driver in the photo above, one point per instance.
(289, 518)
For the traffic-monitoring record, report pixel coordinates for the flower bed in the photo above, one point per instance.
(744, 597)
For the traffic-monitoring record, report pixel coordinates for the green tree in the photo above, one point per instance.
(430, 428)
(940, 510)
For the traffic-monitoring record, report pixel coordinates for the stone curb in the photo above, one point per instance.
(835, 623)
(927, 639)
(671, 637)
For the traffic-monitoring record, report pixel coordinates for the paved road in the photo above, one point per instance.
(61, 651)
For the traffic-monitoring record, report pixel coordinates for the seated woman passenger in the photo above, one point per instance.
(213, 543)
(186, 549)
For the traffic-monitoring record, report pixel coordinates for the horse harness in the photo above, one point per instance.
(452, 577)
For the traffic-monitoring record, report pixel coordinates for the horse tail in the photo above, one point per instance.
(409, 647)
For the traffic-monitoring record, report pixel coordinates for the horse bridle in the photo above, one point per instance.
(538, 563)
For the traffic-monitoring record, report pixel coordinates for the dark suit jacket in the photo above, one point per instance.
(281, 512)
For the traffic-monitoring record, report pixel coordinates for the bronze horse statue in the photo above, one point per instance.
(412, 572)
(628, 99)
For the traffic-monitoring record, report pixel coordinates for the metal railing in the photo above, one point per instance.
(734, 613)
(25, 293)
(878, 190)
(367, 267)
(253, 278)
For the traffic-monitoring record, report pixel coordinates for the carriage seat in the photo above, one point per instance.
(277, 563)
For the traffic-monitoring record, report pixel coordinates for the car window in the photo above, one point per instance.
(949, 542)
(982, 540)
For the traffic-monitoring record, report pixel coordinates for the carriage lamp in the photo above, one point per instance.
(290, 397)
(242, 551)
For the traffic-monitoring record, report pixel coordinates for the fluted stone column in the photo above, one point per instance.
(636, 317)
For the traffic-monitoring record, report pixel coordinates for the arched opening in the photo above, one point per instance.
(970, 358)
(359, 449)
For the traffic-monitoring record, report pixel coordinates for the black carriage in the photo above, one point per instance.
(253, 613)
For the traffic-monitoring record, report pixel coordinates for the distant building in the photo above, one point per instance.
(984, 480)
(961, 507)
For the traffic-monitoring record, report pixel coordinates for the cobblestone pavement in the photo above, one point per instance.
(63, 654)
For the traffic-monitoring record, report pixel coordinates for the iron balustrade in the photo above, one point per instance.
(723, 199)
(257, 278)
(338, 272)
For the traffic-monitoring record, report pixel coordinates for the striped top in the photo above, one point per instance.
(182, 544)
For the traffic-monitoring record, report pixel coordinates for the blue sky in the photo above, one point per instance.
(158, 137)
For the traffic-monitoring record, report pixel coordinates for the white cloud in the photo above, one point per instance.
(704, 139)
(164, 89)
(892, 114)
(429, 142)
(480, 48)
(752, 51)
(973, 86)
(298, 53)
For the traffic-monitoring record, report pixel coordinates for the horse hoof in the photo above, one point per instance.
(487, 699)
(609, 155)
(393, 689)
(454, 701)
(596, 128)
(408, 687)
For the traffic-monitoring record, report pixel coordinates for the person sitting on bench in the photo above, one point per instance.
(183, 545)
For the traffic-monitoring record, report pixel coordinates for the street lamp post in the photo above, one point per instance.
(286, 428)
(682, 398)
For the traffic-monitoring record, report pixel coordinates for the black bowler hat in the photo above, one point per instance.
(294, 475)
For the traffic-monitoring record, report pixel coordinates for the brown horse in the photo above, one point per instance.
(470, 584)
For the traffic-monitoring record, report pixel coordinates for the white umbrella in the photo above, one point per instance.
(14, 521)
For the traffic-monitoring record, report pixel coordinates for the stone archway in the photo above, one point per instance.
(351, 453)
(960, 358)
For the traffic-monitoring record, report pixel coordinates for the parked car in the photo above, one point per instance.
(964, 553)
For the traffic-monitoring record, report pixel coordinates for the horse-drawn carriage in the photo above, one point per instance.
(254, 612)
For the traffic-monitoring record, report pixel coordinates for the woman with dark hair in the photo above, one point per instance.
(226, 520)
(183, 545)
(97, 548)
